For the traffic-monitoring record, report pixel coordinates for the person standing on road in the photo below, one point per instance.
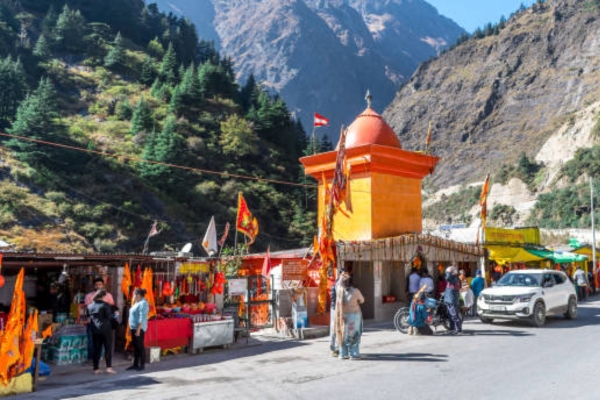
(452, 299)
(581, 282)
(427, 281)
(101, 317)
(138, 324)
(348, 318)
(413, 283)
(333, 345)
(89, 299)
(477, 286)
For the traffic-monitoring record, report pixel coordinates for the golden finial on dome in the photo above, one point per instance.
(368, 97)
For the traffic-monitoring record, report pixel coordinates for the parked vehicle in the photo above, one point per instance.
(528, 295)
(439, 316)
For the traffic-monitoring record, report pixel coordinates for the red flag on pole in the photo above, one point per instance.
(224, 237)
(245, 221)
(320, 120)
(266, 268)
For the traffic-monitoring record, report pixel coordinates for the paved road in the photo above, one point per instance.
(499, 361)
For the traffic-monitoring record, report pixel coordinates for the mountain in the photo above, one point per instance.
(323, 55)
(519, 100)
(114, 117)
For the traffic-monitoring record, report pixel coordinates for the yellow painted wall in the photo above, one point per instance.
(384, 206)
(396, 205)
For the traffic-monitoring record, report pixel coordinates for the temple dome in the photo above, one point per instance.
(370, 128)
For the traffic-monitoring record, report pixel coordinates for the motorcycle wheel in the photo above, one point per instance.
(401, 320)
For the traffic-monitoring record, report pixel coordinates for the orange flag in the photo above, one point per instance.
(126, 282)
(245, 222)
(10, 353)
(28, 340)
(147, 284)
(47, 332)
(483, 200)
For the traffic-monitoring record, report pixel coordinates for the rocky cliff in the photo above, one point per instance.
(322, 55)
(494, 97)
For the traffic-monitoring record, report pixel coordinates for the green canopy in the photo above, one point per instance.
(558, 256)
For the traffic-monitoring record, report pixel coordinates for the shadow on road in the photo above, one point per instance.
(497, 332)
(420, 357)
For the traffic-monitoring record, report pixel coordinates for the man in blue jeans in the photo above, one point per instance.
(452, 299)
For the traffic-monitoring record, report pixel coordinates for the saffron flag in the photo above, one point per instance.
(225, 234)
(209, 243)
(483, 200)
(320, 120)
(245, 222)
(147, 284)
(10, 353)
(266, 268)
(341, 178)
(47, 332)
(28, 341)
(126, 282)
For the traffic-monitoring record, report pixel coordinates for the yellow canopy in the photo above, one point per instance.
(504, 254)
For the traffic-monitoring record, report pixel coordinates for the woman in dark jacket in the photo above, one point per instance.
(101, 316)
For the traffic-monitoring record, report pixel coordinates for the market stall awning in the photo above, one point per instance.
(558, 256)
(504, 254)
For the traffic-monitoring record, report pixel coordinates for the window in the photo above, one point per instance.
(559, 278)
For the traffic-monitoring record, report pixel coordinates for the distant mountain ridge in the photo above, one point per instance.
(322, 55)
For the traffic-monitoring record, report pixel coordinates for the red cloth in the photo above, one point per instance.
(168, 333)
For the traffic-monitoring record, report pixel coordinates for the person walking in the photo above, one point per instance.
(101, 317)
(452, 299)
(348, 318)
(333, 345)
(581, 283)
(138, 324)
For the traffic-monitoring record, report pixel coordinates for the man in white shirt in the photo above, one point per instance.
(427, 281)
(413, 283)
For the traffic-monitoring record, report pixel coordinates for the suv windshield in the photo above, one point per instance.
(518, 279)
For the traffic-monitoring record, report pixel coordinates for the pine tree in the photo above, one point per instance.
(177, 100)
(156, 49)
(168, 67)
(249, 93)
(190, 86)
(165, 147)
(34, 120)
(70, 29)
(142, 120)
(14, 89)
(116, 56)
(148, 73)
(42, 48)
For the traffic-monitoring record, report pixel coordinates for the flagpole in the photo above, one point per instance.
(145, 250)
(313, 141)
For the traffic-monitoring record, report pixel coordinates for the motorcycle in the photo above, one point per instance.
(439, 316)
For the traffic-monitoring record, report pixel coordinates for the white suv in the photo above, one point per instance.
(529, 294)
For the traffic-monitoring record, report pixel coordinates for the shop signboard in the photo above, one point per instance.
(194, 268)
(237, 287)
(294, 270)
(519, 236)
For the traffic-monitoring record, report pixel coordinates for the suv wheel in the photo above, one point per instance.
(538, 318)
(571, 309)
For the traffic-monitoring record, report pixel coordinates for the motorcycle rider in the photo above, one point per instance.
(452, 299)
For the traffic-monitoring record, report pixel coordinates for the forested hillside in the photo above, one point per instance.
(128, 83)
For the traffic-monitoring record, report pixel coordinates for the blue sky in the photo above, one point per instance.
(471, 14)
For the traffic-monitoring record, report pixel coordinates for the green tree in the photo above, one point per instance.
(142, 120)
(34, 120)
(14, 89)
(190, 86)
(42, 48)
(70, 30)
(166, 147)
(237, 138)
(168, 67)
(116, 56)
(148, 73)
(155, 48)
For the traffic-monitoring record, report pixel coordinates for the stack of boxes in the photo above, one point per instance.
(68, 346)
